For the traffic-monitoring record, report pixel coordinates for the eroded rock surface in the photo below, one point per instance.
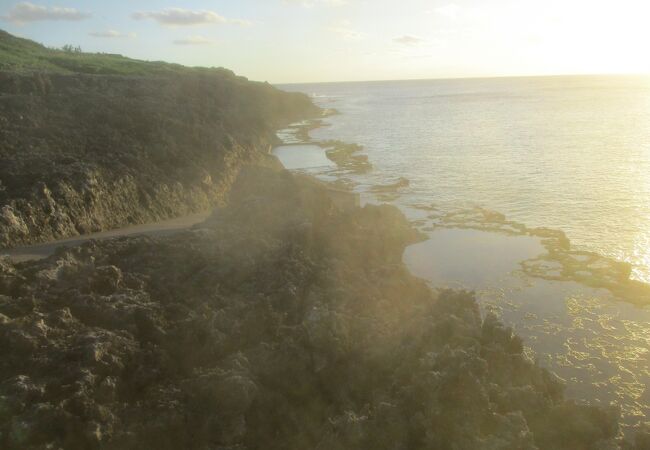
(81, 153)
(281, 323)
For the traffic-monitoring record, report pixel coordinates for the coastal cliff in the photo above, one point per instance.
(283, 322)
(93, 142)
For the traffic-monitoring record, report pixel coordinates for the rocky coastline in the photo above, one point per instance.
(282, 322)
(81, 153)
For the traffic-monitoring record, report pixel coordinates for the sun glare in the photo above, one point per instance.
(562, 37)
(599, 37)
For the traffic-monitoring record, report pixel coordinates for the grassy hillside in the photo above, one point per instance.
(90, 142)
(23, 55)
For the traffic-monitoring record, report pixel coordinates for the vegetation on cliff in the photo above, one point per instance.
(281, 323)
(26, 56)
(92, 142)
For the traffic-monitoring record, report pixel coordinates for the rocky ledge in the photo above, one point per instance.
(283, 322)
(81, 152)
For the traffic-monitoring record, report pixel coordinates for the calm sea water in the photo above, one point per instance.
(570, 153)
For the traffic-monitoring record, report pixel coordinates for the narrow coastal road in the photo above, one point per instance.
(171, 226)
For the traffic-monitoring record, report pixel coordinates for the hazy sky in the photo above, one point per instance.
(333, 40)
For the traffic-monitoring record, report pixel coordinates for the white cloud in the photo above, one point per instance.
(344, 29)
(450, 11)
(408, 39)
(348, 34)
(194, 40)
(316, 2)
(28, 12)
(112, 34)
(185, 17)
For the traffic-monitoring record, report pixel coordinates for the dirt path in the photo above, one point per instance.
(46, 249)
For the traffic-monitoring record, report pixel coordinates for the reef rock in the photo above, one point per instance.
(283, 322)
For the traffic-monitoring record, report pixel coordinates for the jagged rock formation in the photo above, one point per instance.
(84, 152)
(281, 323)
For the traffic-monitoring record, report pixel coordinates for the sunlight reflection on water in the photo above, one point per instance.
(597, 345)
(569, 153)
(564, 153)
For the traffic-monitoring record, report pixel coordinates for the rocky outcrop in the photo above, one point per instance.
(283, 322)
(81, 153)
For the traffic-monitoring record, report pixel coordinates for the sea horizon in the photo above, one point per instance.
(469, 78)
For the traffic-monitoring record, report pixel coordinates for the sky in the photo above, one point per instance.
(290, 41)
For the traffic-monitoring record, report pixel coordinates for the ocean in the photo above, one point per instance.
(565, 153)
(569, 153)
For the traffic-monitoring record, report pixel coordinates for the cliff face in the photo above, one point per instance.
(82, 152)
(282, 323)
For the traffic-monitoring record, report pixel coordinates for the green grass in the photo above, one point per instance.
(23, 55)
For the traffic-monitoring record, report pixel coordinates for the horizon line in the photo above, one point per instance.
(477, 77)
